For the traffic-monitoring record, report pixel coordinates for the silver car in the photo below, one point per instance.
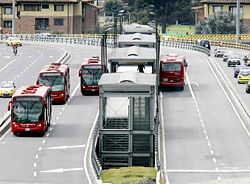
(233, 60)
(226, 55)
(219, 51)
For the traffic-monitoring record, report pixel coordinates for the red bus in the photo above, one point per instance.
(31, 109)
(57, 76)
(90, 73)
(172, 71)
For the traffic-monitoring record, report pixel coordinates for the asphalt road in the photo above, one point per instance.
(58, 157)
(204, 136)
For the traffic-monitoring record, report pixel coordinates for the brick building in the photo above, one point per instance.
(50, 16)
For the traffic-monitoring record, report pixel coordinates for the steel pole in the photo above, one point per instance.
(238, 22)
(13, 17)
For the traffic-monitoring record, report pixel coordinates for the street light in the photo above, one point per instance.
(13, 16)
(238, 22)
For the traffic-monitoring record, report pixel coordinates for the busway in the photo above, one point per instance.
(192, 84)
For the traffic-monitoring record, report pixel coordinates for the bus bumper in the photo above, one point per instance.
(90, 89)
(58, 96)
(169, 84)
(27, 127)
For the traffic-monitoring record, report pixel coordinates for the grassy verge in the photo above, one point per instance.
(128, 175)
(180, 30)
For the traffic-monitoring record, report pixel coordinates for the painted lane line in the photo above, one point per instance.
(44, 141)
(2, 142)
(54, 123)
(214, 160)
(57, 118)
(36, 156)
(230, 101)
(50, 129)
(7, 65)
(61, 170)
(35, 164)
(1, 138)
(87, 148)
(163, 138)
(60, 113)
(65, 147)
(35, 174)
(47, 135)
(63, 108)
(207, 171)
(40, 148)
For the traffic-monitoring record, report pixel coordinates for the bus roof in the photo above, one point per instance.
(94, 60)
(32, 91)
(55, 67)
(133, 55)
(136, 38)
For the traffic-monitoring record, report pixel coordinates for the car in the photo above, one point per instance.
(219, 51)
(244, 76)
(13, 41)
(247, 59)
(233, 60)
(7, 88)
(226, 55)
(237, 69)
(248, 87)
(204, 43)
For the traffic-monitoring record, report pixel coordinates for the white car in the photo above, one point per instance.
(219, 51)
(226, 55)
(233, 59)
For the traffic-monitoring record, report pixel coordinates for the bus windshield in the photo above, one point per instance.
(91, 74)
(55, 80)
(27, 109)
(171, 67)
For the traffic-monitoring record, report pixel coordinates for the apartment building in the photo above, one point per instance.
(212, 6)
(51, 16)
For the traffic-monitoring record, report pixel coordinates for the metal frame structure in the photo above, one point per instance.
(127, 110)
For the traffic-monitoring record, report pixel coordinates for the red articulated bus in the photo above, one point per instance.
(31, 109)
(90, 74)
(172, 71)
(56, 76)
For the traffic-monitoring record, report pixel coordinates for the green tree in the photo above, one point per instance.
(219, 23)
(112, 6)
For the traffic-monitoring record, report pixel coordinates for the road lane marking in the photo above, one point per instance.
(207, 171)
(65, 147)
(7, 65)
(61, 170)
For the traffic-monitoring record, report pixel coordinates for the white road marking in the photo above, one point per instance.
(2, 142)
(50, 129)
(35, 164)
(61, 170)
(35, 174)
(36, 156)
(207, 171)
(65, 147)
(40, 148)
(87, 148)
(7, 65)
(44, 141)
(1, 138)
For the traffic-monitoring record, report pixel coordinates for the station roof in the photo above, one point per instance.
(136, 38)
(128, 79)
(225, 1)
(137, 28)
(133, 54)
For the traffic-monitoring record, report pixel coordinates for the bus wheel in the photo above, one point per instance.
(182, 88)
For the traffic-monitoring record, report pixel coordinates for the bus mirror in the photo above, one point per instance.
(9, 104)
(80, 73)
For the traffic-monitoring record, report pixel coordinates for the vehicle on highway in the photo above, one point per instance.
(13, 41)
(226, 54)
(248, 87)
(203, 43)
(30, 109)
(244, 75)
(90, 73)
(237, 69)
(7, 88)
(233, 60)
(57, 76)
(247, 59)
(172, 72)
(219, 51)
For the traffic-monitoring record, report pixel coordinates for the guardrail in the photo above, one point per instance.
(94, 158)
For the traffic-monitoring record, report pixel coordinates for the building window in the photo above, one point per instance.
(41, 23)
(58, 22)
(7, 10)
(59, 7)
(217, 8)
(233, 9)
(7, 24)
(32, 7)
(45, 6)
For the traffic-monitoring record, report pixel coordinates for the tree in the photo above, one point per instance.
(219, 23)
(112, 6)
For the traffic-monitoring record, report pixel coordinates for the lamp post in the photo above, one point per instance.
(238, 21)
(13, 17)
